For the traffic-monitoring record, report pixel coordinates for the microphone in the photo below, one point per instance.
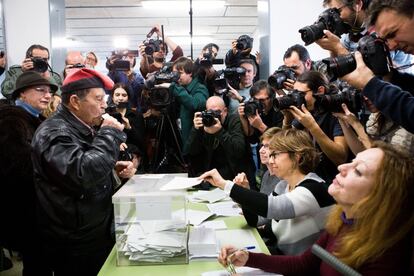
(333, 261)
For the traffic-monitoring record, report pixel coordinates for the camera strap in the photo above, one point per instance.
(403, 67)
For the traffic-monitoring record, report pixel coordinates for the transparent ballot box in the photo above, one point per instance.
(150, 225)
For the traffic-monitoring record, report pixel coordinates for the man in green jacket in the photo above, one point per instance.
(37, 59)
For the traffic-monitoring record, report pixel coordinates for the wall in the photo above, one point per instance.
(26, 23)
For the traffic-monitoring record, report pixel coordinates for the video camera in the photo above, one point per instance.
(294, 98)
(332, 101)
(283, 73)
(231, 76)
(244, 42)
(251, 106)
(40, 64)
(208, 117)
(120, 63)
(161, 96)
(374, 51)
(330, 20)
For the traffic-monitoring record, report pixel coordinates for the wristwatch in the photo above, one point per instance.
(242, 99)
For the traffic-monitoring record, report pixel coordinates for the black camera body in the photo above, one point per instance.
(125, 155)
(375, 54)
(208, 60)
(332, 101)
(208, 117)
(39, 64)
(231, 76)
(152, 45)
(294, 98)
(111, 110)
(283, 73)
(330, 20)
(252, 106)
(244, 42)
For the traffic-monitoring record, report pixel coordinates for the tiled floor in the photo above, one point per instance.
(16, 270)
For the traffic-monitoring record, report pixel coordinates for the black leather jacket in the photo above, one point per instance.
(74, 182)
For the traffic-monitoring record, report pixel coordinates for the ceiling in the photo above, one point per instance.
(94, 24)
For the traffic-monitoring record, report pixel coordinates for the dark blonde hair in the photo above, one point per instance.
(269, 133)
(297, 142)
(384, 217)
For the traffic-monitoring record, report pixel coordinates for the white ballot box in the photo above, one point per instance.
(150, 225)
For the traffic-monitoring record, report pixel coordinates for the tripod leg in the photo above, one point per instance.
(158, 135)
(180, 157)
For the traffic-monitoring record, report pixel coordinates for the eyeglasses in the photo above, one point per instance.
(43, 90)
(266, 146)
(275, 154)
(303, 92)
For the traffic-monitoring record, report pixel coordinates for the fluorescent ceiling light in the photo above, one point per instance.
(121, 43)
(182, 4)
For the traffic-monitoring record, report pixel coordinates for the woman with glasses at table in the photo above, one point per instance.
(370, 229)
(300, 201)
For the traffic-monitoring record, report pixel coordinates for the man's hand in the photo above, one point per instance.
(332, 43)
(257, 122)
(141, 50)
(361, 75)
(303, 116)
(240, 109)
(233, 93)
(27, 64)
(233, 46)
(288, 84)
(348, 118)
(3, 60)
(198, 121)
(110, 121)
(258, 57)
(125, 169)
(214, 128)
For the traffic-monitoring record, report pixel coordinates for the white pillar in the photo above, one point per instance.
(279, 22)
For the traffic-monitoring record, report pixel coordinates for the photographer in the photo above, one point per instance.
(240, 49)
(240, 94)
(203, 66)
(37, 59)
(217, 141)
(154, 62)
(132, 120)
(392, 19)
(121, 70)
(257, 115)
(73, 61)
(322, 125)
(354, 13)
(189, 93)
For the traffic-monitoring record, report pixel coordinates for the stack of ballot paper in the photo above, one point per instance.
(208, 196)
(202, 243)
(154, 241)
(244, 271)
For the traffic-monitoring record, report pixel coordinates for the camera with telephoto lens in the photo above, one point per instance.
(328, 20)
(39, 64)
(375, 54)
(119, 59)
(294, 98)
(208, 117)
(161, 96)
(231, 76)
(152, 46)
(252, 106)
(332, 101)
(283, 73)
(244, 42)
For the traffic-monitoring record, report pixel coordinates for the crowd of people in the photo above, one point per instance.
(307, 165)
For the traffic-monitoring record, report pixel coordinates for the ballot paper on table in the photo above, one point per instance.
(244, 270)
(178, 183)
(226, 209)
(202, 243)
(209, 196)
(194, 217)
(215, 224)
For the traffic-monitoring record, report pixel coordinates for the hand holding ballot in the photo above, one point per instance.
(214, 178)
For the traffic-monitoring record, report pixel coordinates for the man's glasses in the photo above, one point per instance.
(266, 146)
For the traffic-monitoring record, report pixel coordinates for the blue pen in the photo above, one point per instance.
(250, 247)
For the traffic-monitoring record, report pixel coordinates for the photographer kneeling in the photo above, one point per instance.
(217, 141)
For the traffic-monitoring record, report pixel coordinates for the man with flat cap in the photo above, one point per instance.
(18, 123)
(74, 156)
